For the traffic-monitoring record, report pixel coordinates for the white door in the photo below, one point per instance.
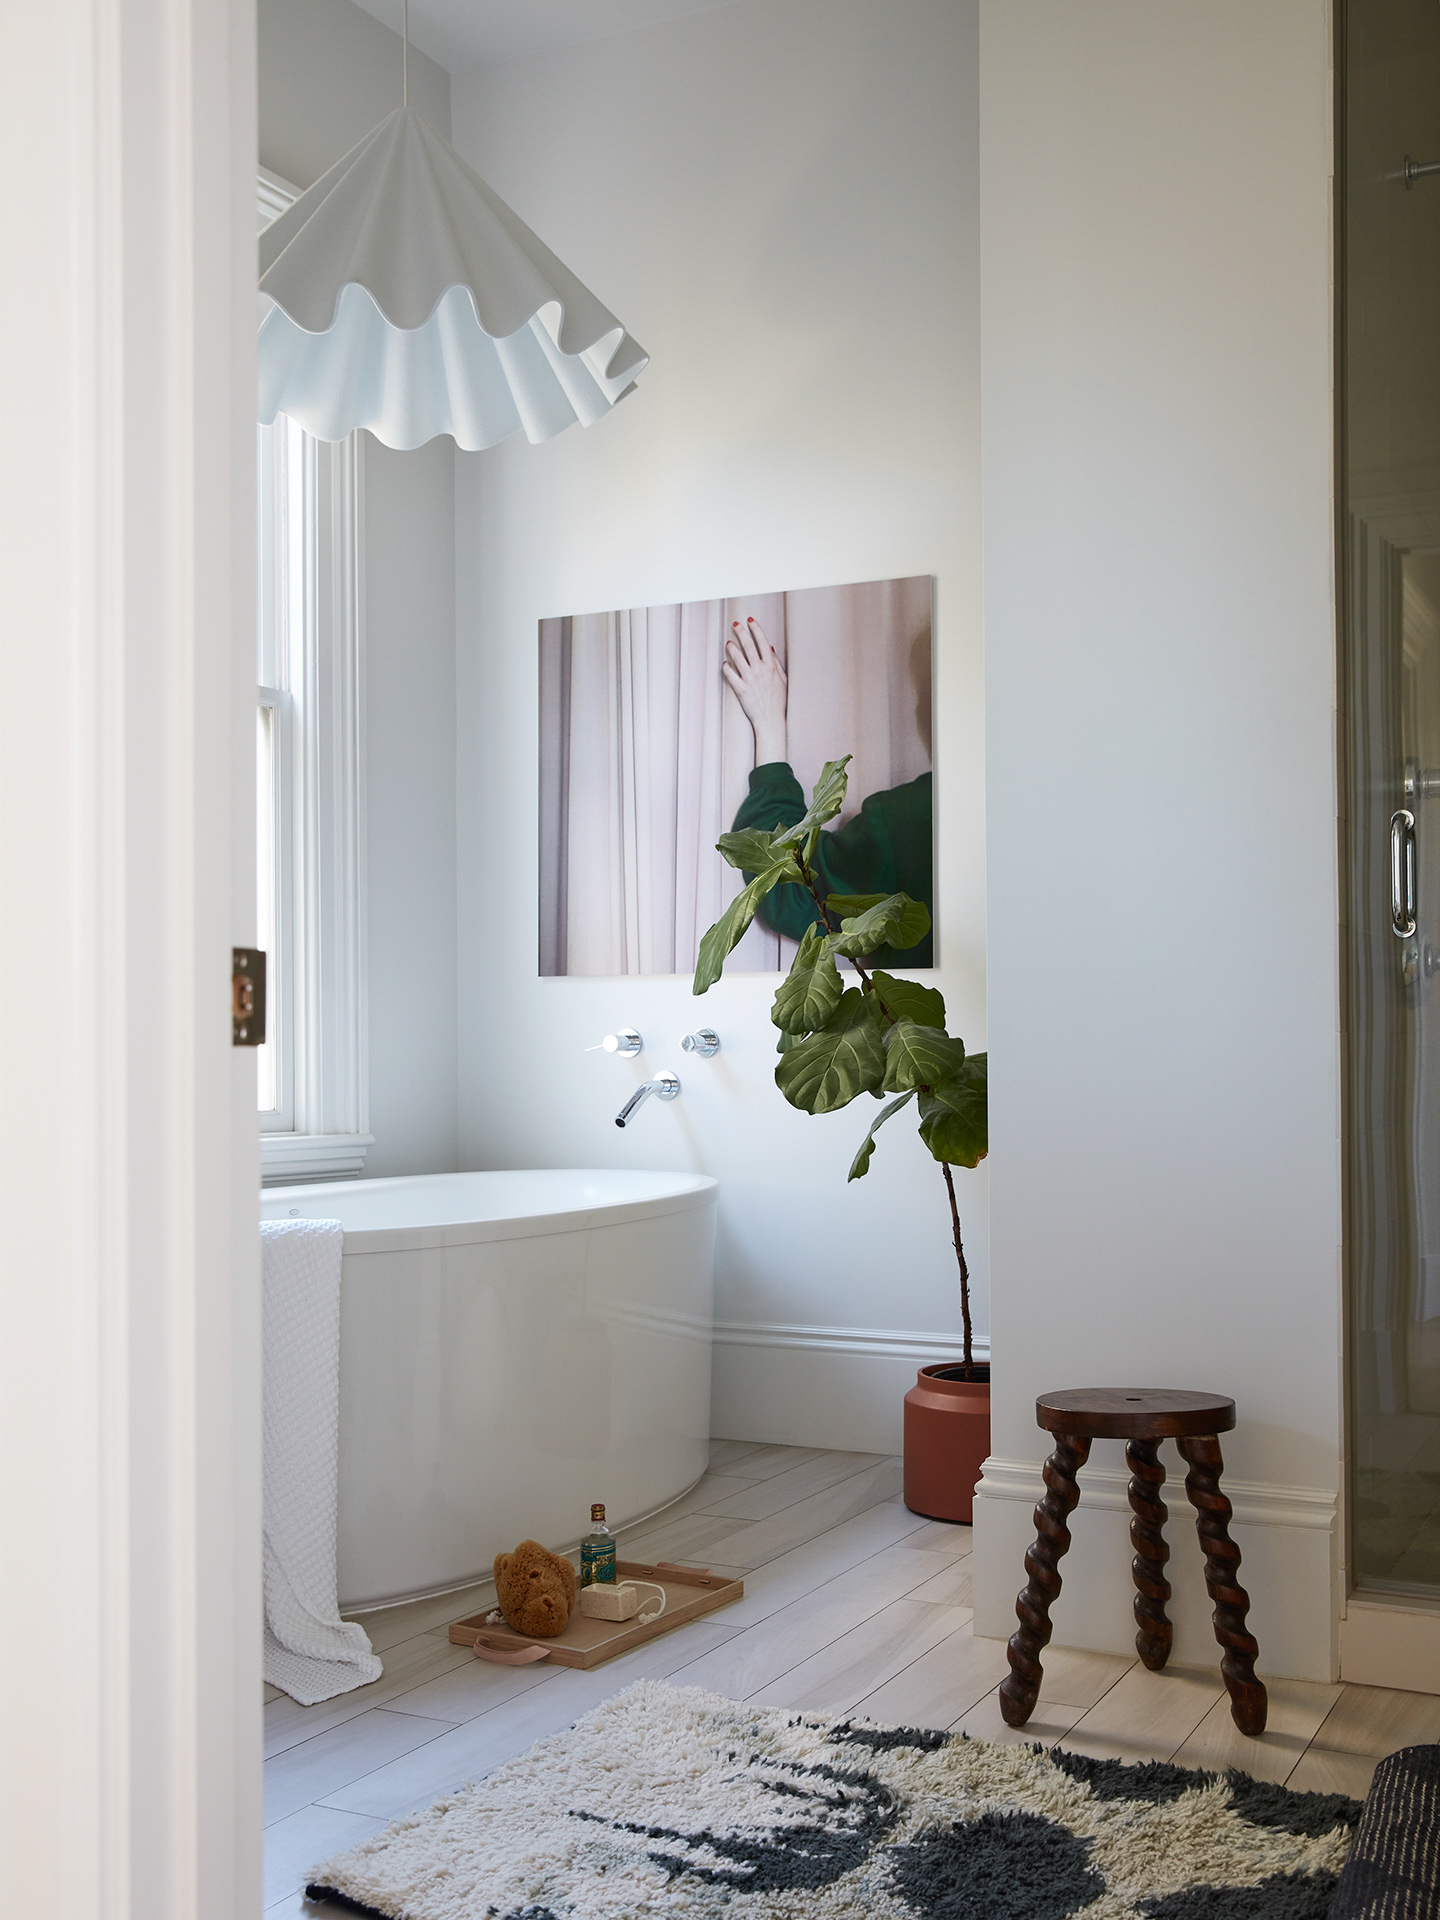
(129, 1338)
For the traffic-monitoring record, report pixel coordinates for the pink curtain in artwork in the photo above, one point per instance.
(645, 756)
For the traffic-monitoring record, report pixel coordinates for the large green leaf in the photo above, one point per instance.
(908, 1000)
(895, 921)
(912, 926)
(729, 930)
(752, 849)
(954, 1117)
(811, 990)
(829, 1069)
(956, 1095)
(860, 1165)
(826, 800)
(918, 1056)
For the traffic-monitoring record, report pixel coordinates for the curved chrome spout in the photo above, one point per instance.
(665, 1086)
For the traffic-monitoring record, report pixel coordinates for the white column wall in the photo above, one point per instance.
(1161, 798)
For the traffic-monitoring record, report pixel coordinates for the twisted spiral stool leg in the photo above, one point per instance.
(1147, 1536)
(1248, 1702)
(1052, 1537)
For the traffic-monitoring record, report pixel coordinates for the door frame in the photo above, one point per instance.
(1384, 1641)
(129, 1297)
(1381, 1642)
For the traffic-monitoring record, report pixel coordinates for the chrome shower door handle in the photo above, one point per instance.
(1402, 873)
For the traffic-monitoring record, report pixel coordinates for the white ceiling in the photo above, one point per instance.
(461, 34)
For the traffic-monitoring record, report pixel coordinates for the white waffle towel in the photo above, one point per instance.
(310, 1652)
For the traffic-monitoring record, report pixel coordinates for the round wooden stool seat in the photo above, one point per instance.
(1134, 1413)
(1142, 1417)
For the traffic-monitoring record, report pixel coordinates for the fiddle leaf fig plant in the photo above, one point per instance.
(884, 1036)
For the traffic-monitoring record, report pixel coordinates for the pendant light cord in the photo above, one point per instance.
(406, 55)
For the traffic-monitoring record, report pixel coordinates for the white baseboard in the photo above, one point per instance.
(1289, 1566)
(1255, 1502)
(1384, 1643)
(801, 1386)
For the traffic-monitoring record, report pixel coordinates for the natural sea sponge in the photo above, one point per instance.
(535, 1590)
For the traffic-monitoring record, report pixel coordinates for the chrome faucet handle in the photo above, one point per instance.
(706, 1043)
(664, 1086)
(627, 1043)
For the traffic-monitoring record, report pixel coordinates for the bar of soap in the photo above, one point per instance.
(604, 1602)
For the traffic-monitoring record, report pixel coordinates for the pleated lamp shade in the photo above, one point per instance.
(400, 294)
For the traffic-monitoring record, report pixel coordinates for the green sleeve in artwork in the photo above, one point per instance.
(886, 848)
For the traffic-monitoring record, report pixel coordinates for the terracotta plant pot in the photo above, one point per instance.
(947, 1440)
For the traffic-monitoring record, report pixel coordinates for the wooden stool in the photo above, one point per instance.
(1142, 1418)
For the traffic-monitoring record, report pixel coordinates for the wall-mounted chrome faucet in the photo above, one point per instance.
(664, 1086)
(706, 1043)
(627, 1043)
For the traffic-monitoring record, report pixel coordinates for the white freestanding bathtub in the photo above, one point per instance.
(513, 1346)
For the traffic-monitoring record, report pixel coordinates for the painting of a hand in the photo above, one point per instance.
(755, 676)
(665, 728)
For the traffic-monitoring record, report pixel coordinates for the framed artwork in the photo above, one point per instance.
(663, 727)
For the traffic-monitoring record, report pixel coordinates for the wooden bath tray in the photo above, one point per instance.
(689, 1592)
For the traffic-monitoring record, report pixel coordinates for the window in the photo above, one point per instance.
(282, 530)
(272, 1089)
(311, 1072)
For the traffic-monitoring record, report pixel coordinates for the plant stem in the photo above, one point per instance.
(964, 1270)
(889, 1019)
(809, 880)
(865, 980)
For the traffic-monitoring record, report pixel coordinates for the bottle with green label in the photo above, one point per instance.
(597, 1552)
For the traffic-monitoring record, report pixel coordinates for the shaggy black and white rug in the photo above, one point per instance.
(671, 1802)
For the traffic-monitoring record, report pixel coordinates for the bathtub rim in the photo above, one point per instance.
(703, 1191)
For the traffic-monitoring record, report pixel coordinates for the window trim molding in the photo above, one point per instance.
(329, 1014)
(280, 1009)
(289, 1159)
(274, 194)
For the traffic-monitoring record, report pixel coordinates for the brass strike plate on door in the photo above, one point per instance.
(247, 997)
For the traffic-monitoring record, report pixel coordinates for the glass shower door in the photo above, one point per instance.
(1390, 477)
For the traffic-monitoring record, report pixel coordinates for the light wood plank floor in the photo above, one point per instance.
(852, 1605)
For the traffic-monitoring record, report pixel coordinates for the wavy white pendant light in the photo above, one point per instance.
(400, 294)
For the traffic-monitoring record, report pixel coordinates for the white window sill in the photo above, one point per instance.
(288, 1157)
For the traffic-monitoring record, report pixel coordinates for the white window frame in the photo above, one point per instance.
(313, 647)
(277, 1052)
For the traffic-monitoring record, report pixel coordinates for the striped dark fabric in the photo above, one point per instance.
(1393, 1872)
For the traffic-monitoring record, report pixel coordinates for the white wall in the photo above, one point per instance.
(410, 805)
(328, 73)
(1159, 645)
(779, 200)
